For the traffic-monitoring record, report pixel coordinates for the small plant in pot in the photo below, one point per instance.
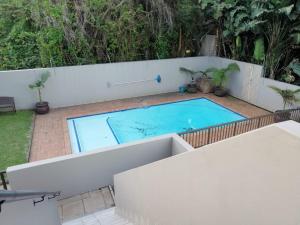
(203, 82)
(220, 77)
(41, 107)
(289, 99)
(191, 87)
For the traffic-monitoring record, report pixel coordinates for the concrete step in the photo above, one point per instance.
(104, 217)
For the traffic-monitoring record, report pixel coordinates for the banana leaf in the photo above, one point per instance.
(295, 66)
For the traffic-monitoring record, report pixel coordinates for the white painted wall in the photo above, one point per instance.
(249, 179)
(77, 85)
(267, 98)
(250, 86)
(180, 146)
(25, 213)
(79, 173)
(242, 85)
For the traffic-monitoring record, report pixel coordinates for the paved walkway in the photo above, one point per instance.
(104, 217)
(51, 135)
(85, 204)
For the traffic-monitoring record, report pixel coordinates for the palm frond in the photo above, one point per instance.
(239, 19)
(44, 77)
(188, 71)
(295, 66)
(296, 91)
(211, 70)
(287, 10)
(232, 67)
(288, 96)
(276, 89)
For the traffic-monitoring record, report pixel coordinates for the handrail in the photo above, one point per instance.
(208, 135)
(13, 196)
(21, 195)
(3, 180)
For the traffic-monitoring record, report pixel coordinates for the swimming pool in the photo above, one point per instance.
(113, 128)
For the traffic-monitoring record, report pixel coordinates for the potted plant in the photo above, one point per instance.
(220, 76)
(203, 83)
(288, 96)
(191, 87)
(289, 99)
(41, 107)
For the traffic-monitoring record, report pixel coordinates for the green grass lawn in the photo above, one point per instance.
(15, 136)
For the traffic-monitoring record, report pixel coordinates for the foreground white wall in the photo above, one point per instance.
(79, 173)
(248, 179)
(25, 213)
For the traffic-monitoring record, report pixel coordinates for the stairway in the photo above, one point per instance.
(85, 204)
(104, 217)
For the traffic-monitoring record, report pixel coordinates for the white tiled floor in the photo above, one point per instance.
(104, 217)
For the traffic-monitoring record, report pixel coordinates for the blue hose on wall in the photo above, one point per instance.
(157, 79)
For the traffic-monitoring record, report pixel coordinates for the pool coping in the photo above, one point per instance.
(165, 103)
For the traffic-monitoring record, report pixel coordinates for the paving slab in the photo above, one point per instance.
(85, 204)
(72, 210)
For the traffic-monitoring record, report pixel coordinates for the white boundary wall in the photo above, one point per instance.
(249, 179)
(80, 173)
(267, 98)
(250, 86)
(77, 85)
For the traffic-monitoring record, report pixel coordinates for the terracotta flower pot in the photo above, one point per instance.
(191, 88)
(205, 85)
(42, 107)
(221, 92)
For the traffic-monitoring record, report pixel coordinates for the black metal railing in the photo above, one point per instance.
(208, 135)
(36, 196)
(3, 180)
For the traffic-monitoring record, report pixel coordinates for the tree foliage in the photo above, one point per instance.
(43, 33)
(257, 31)
(47, 33)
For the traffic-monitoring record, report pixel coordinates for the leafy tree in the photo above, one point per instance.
(56, 33)
(271, 28)
(19, 49)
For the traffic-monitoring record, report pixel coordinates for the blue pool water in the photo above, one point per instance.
(108, 129)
